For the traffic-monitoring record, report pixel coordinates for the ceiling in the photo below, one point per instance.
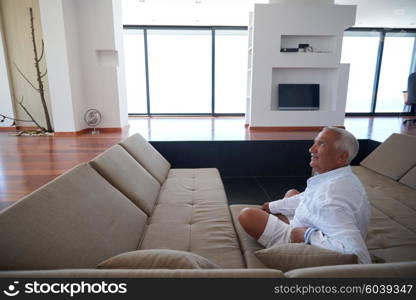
(370, 13)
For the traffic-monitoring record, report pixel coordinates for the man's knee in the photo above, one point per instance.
(253, 220)
(291, 193)
(246, 216)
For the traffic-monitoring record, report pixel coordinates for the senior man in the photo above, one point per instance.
(333, 212)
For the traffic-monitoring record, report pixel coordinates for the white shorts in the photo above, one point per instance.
(276, 232)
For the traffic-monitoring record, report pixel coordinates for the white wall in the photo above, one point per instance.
(6, 103)
(84, 43)
(76, 75)
(57, 59)
(100, 59)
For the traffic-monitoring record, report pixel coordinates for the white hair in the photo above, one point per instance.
(346, 142)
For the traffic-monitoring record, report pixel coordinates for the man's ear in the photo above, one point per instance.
(343, 157)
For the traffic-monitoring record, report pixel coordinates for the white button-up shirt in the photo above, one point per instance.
(336, 204)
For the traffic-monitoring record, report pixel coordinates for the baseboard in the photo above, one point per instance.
(28, 128)
(289, 128)
(88, 130)
(8, 128)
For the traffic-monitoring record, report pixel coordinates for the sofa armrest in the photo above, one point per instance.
(145, 273)
(386, 270)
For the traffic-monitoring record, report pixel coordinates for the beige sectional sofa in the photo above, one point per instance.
(129, 198)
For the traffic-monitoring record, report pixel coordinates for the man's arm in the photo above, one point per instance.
(285, 206)
(341, 233)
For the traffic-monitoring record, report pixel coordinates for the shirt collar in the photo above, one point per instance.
(319, 178)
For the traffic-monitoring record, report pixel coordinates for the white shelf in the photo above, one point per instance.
(319, 43)
(286, 25)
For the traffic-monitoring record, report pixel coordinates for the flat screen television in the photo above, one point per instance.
(298, 97)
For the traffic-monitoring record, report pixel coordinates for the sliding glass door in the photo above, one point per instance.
(134, 56)
(359, 49)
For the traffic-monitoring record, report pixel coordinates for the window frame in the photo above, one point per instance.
(382, 31)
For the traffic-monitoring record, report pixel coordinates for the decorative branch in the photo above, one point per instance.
(4, 117)
(30, 116)
(23, 75)
(41, 54)
(44, 74)
(39, 77)
(38, 73)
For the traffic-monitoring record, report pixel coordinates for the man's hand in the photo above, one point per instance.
(265, 207)
(296, 236)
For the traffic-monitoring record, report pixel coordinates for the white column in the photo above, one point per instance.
(56, 54)
(121, 71)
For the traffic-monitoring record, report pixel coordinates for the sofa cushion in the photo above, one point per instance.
(203, 229)
(128, 176)
(384, 233)
(294, 256)
(147, 156)
(394, 254)
(393, 158)
(186, 186)
(409, 178)
(248, 244)
(194, 217)
(373, 181)
(157, 259)
(388, 270)
(392, 229)
(75, 221)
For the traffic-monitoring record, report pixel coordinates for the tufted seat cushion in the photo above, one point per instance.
(192, 215)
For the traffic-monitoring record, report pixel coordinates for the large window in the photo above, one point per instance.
(179, 71)
(380, 63)
(186, 70)
(395, 69)
(360, 49)
(203, 70)
(230, 70)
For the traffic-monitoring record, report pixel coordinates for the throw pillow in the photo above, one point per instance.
(157, 259)
(293, 256)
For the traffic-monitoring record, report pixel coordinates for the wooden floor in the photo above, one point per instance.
(26, 163)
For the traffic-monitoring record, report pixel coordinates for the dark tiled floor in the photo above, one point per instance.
(257, 190)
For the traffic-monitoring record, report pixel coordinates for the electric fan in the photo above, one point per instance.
(93, 118)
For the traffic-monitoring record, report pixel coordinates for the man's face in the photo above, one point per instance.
(325, 156)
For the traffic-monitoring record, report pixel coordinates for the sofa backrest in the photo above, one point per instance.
(75, 221)
(393, 158)
(409, 178)
(128, 176)
(147, 156)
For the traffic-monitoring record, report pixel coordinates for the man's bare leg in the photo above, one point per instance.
(254, 221)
